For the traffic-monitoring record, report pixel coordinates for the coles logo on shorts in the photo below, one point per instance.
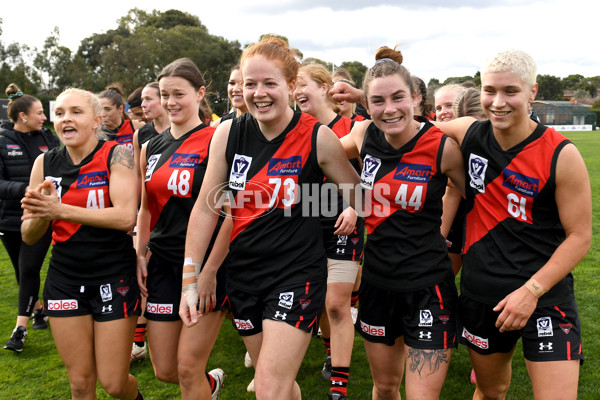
(372, 330)
(63, 305)
(242, 325)
(155, 308)
(476, 340)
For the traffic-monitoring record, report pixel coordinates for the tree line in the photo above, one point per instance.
(143, 42)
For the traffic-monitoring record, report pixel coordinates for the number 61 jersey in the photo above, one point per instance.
(512, 222)
(175, 170)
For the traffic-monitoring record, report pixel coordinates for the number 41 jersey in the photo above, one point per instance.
(84, 254)
(512, 222)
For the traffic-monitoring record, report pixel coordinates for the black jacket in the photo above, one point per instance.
(18, 151)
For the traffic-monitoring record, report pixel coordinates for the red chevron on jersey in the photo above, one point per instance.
(276, 185)
(175, 177)
(405, 187)
(512, 193)
(89, 190)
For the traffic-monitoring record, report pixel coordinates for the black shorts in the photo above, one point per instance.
(553, 333)
(426, 318)
(344, 247)
(164, 290)
(299, 305)
(106, 302)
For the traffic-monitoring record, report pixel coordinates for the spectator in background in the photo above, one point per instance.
(19, 147)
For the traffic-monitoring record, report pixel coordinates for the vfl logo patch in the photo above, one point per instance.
(342, 240)
(152, 161)
(92, 180)
(477, 167)
(181, 160)
(370, 167)
(239, 170)
(544, 327)
(286, 300)
(522, 184)
(413, 172)
(56, 182)
(106, 292)
(425, 318)
(285, 166)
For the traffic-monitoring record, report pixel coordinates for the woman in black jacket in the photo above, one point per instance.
(20, 144)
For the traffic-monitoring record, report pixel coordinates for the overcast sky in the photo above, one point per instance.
(438, 38)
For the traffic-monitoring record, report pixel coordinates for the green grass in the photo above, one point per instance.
(38, 372)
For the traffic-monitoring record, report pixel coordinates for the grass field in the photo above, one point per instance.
(38, 372)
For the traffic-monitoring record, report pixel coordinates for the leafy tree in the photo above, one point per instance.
(457, 79)
(580, 94)
(357, 71)
(549, 87)
(432, 87)
(52, 61)
(571, 81)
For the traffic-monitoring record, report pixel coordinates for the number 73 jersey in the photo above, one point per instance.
(512, 222)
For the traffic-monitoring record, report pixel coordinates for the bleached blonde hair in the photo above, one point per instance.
(516, 61)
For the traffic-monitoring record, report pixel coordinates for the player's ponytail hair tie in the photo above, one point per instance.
(15, 95)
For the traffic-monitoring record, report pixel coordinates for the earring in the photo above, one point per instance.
(24, 120)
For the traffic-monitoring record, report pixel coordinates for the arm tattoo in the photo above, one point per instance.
(418, 359)
(122, 155)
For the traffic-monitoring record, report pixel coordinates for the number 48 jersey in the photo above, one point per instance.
(175, 170)
(512, 222)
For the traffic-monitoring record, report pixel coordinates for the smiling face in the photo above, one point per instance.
(505, 98)
(444, 101)
(35, 117)
(75, 120)
(181, 100)
(235, 91)
(267, 92)
(391, 105)
(309, 95)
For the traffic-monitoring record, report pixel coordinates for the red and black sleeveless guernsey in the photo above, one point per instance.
(272, 242)
(405, 250)
(174, 174)
(83, 254)
(512, 222)
(341, 126)
(125, 134)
